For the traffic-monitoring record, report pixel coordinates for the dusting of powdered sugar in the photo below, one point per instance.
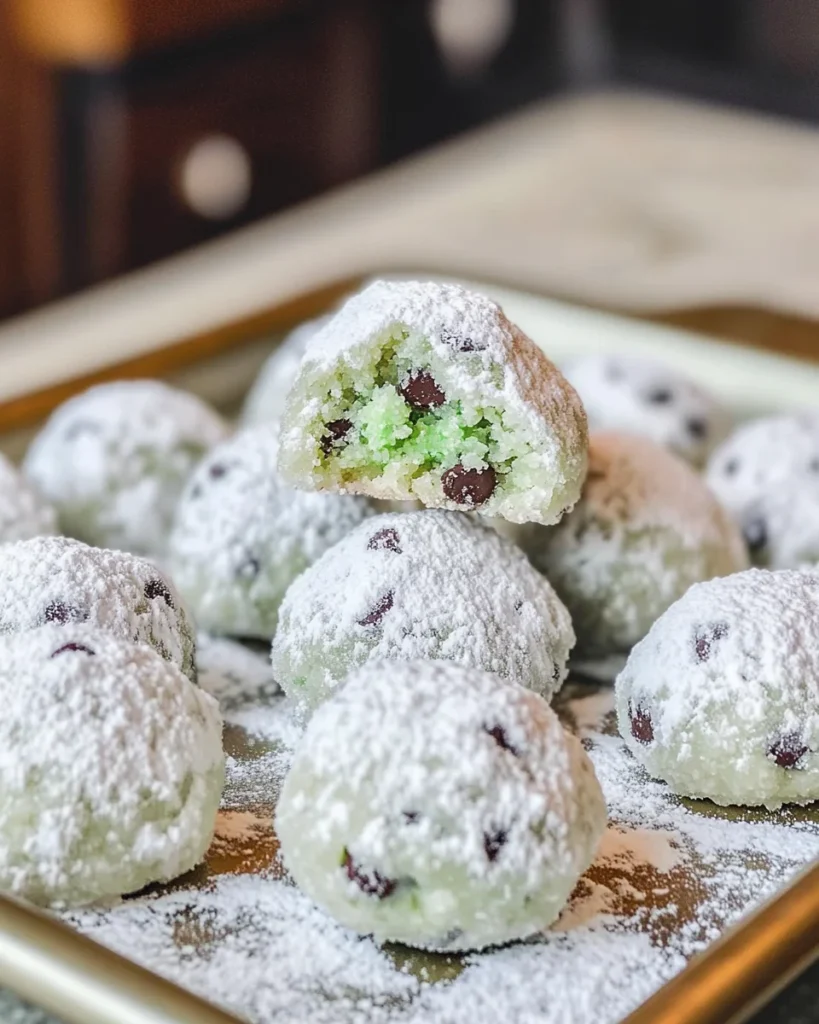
(639, 396)
(426, 771)
(113, 460)
(241, 536)
(644, 530)
(380, 592)
(111, 766)
(234, 672)
(767, 476)
(482, 359)
(58, 580)
(721, 698)
(669, 877)
(24, 512)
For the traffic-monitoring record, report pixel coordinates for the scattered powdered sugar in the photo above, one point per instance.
(24, 512)
(670, 876)
(234, 672)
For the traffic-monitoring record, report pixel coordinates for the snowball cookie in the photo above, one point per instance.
(427, 391)
(767, 476)
(111, 766)
(439, 806)
(24, 512)
(265, 400)
(721, 699)
(639, 396)
(114, 460)
(241, 536)
(426, 584)
(62, 581)
(646, 528)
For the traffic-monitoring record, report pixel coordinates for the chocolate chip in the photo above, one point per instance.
(788, 750)
(411, 817)
(493, 843)
(755, 532)
(421, 390)
(217, 470)
(470, 487)
(335, 432)
(696, 427)
(378, 613)
(642, 728)
(158, 588)
(372, 884)
(385, 540)
(461, 343)
(731, 467)
(498, 734)
(705, 638)
(81, 648)
(660, 396)
(64, 613)
(249, 569)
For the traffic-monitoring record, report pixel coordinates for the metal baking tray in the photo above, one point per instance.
(668, 925)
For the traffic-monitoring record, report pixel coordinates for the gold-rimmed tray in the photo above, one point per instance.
(671, 876)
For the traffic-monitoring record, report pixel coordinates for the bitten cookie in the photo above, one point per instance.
(426, 584)
(639, 396)
(439, 806)
(241, 536)
(427, 392)
(767, 476)
(61, 581)
(721, 699)
(645, 529)
(111, 766)
(113, 461)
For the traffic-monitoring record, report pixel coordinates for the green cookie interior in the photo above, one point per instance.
(388, 435)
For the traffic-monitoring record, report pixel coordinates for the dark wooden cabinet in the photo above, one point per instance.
(147, 127)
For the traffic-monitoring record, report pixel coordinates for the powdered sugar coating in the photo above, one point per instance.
(63, 581)
(721, 699)
(439, 806)
(111, 766)
(767, 476)
(24, 512)
(266, 399)
(645, 529)
(642, 397)
(241, 536)
(488, 372)
(114, 459)
(426, 584)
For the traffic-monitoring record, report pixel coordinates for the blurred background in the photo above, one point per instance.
(134, 129)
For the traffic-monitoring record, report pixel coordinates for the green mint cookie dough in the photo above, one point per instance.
(423, 391)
